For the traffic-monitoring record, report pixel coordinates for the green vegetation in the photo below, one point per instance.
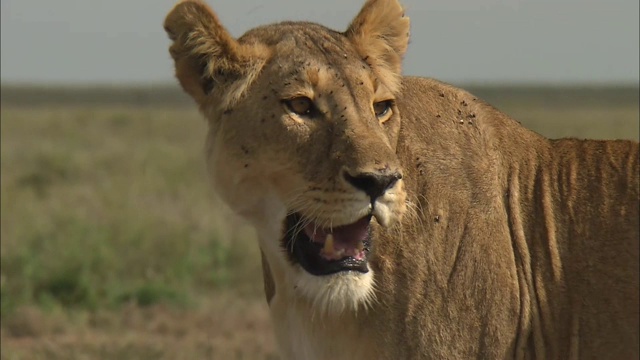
(97, 204)
(109, 227)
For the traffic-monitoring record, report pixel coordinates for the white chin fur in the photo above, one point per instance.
(336, 293)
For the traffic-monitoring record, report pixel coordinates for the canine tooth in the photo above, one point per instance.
(328, 246)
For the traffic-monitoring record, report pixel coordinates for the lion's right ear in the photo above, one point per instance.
(380, 33)
(207, 57)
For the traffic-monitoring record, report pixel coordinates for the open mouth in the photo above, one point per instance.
(324, 251)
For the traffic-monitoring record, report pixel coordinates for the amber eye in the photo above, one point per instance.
(381, 108)
(300, 106)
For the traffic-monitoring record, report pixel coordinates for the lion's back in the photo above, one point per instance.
(569, 208)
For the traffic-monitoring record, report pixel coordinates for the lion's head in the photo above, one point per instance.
(302, 134)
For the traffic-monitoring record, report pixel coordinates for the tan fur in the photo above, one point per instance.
(497, 243)
(204, 52)
(380, 33)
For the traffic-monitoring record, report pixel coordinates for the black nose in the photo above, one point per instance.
(373, 184)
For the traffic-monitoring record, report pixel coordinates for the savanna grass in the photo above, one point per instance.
(106, 205)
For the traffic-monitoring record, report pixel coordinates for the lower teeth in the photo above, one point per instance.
(331, 253)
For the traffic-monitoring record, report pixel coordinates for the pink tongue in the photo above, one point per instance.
(346, 236)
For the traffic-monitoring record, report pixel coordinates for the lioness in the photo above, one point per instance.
(403, 218)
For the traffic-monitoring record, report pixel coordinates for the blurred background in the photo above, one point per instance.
(113, 245)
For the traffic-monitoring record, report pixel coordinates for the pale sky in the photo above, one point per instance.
(458, 41)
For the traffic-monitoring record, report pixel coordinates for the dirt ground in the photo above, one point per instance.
(224, 328)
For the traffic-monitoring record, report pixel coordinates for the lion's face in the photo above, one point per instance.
(302, 143)
(316, 136)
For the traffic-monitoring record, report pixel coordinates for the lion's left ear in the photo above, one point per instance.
(380, 33)
(207, 57)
